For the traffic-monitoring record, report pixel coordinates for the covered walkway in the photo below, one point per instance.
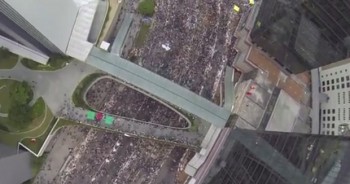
(158, 86)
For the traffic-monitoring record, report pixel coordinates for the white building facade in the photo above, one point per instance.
(334, 92)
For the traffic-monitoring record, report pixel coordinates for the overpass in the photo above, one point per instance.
(154, 84)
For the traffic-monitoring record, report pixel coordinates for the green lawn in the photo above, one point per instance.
(146, 7)
(79, 91)
(142, 35)
(5, 101)
(8, 62)
(35, 128)
(54, 63)
(35, 146)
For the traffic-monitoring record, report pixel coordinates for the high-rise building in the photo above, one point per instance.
(14, 167)
(253, 157)
(331, 97)
(47, 26)
(23, 22)
(303, 34)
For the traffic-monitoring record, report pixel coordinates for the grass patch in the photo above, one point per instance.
(35, 128)
(8, 62)
(142, 35)
(38, 108)
(146, 7)
(14, 99)
(5, 100)
(79, 91)
(35, 146)
(55, 63)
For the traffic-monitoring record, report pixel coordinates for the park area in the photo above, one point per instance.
(8, 60)
(20, 116)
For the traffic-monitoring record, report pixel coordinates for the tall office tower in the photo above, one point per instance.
(251, 157)
(42, 25)
(331, 97)
(14, 167)
(303, 34)
(47, 26)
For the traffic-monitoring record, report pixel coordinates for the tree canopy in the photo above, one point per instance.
(20, 112)
(21, 93)
(146, 7)
(4, 52)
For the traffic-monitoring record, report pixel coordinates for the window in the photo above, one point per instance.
(342, 86)
(333, 110)
(327, 82)
(323, 83)
(337, 79)
(348, 84)
(332, 132)
(323, 125)
(347, 78)
(333, 118)
(327, 132)
(328, 88)
(323, 89)
(322, 132)
(332, 81)
(333, 126)
(328, 111)
(324, 111)
(328, 125)
(324, 118)
(342, 79)
(338, 86)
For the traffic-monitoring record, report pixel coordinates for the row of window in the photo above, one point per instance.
(328, 125)
(338, 86)
(336, 73)
(337, 80)
(332, 114)
(327, 132)
(328, 111)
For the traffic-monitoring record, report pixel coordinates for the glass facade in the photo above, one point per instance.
(303, 34)
(259, 157)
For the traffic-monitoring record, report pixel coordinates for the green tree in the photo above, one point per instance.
(20, 115)
(4, 53)
(21, 93)
(146, 7)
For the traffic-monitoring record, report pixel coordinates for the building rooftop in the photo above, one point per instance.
(58, 20)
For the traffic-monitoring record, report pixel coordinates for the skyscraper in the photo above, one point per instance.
(41, 25)
(48, 26)
(254, 157)
(303, 34)
(14, 167)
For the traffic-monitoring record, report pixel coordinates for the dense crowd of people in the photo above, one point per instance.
(191, 42)
(109, 96)
(112, 158)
